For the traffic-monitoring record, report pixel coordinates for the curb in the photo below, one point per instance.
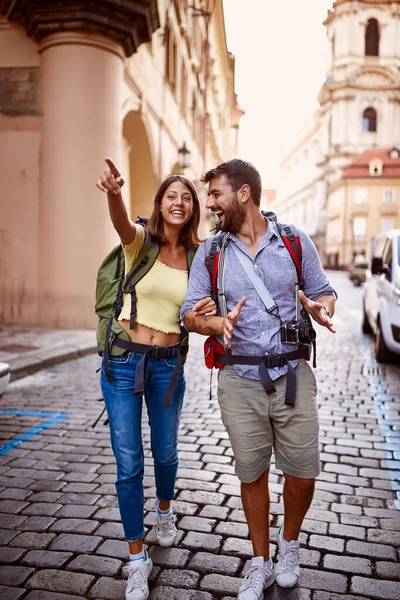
(43, 359)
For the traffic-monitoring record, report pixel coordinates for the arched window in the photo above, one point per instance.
(369, 119)
(372, 38)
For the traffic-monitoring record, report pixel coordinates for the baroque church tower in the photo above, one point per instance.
(360, 99)
(359, 110)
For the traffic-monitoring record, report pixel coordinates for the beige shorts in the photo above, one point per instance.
(256, 423)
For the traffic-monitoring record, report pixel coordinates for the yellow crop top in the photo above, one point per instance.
(160, 293)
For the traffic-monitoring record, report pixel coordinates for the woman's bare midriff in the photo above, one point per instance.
(151, 337)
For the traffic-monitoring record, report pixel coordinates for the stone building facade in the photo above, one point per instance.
(363, 202)
(359, 110)
(136, 81)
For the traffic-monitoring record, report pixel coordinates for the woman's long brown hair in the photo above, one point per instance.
(189, 238)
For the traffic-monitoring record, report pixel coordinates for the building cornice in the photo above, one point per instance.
(79, 38)
(128, 23)
(345, 89)
(354, 7)
(367, 2)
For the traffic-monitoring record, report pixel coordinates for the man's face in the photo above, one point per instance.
(225, 203)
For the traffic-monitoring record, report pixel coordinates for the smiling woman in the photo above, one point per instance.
(151, 362)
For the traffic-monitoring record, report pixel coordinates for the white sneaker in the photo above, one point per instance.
(258, 578)
(165, 528)
(287, 569)
(137, 587)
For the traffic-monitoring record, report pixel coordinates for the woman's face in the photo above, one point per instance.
(177, 204)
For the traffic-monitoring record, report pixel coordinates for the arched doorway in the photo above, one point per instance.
(141, 179)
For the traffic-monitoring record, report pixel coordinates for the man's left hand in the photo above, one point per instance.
(317, 311)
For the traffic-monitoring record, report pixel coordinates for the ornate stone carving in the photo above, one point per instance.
(130, 23)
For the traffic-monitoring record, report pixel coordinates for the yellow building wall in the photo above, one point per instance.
(344, 209)
(19, 157)
(93, 102)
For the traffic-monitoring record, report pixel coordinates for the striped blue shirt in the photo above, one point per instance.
(258, 332)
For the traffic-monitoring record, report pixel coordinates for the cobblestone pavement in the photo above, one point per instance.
(59, 522)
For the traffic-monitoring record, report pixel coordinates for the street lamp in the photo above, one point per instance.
(183, 159)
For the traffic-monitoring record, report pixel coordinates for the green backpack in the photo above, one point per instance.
(112, 284)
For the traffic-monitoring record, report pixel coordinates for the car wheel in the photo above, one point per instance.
(382, 352)
(365, 326)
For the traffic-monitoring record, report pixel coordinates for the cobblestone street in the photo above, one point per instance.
(60, 533)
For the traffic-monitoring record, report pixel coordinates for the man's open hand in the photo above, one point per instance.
(317, 311)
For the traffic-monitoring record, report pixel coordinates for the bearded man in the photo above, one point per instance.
(281, 415)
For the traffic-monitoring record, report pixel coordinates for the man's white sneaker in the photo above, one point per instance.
(287, 569)
(165, 528)
(137, 587)
(258, 578)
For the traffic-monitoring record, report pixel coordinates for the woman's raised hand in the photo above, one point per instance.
(111, 180)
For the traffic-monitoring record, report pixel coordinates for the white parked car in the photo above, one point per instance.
(381, 296)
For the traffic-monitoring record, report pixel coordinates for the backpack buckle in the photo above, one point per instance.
(156, 352)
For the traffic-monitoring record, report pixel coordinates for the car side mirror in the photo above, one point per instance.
(376, 265)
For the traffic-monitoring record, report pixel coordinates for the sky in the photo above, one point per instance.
(281, 63)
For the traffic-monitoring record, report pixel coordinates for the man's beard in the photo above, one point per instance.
(234, 216)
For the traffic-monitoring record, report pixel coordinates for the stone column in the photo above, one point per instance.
(81, 79)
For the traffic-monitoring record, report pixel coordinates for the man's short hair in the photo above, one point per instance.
(238, 172)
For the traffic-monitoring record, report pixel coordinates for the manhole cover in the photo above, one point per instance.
(17, 348)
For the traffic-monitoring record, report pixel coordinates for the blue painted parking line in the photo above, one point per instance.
(55, 417)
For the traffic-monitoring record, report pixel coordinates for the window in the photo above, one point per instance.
(359, 228)
(197, 38)
(334, 229)
(375, 167)
(360, 196)
(372, 38)
(184, 89)
(171, 55)
(194, 114)
(387, 253)
(369, 119)
(388, 196)
(387, 225)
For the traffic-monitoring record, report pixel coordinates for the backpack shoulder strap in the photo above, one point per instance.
(293, 245)
(190, 256)
(213, 247)
(142, 265)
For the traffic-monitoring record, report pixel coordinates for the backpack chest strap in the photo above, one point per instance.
(266, 362)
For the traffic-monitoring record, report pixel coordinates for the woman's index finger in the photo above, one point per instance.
(113, 167)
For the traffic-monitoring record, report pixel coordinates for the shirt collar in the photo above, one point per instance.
(272, 232)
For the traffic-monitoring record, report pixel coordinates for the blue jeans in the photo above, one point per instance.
(124, 410)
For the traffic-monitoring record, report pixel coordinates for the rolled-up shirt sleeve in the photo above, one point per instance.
(316, 283)
(199, 282)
